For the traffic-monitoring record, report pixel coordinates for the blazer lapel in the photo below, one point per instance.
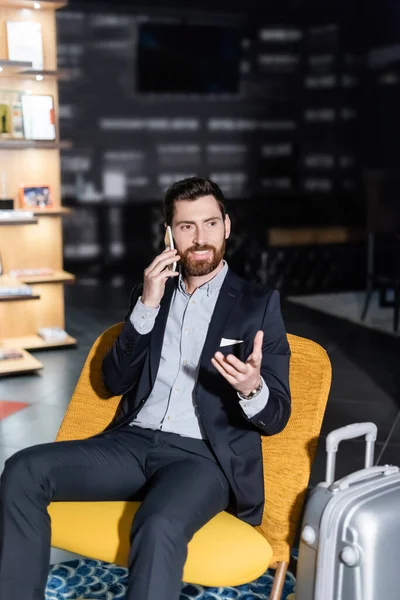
(157, 336)
(228, 297)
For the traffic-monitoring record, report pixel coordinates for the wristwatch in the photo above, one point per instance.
(253, 393)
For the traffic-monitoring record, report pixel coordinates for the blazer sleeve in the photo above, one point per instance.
(275, 370)
(123, 363)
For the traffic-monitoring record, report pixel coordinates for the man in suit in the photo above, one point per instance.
(202, 366)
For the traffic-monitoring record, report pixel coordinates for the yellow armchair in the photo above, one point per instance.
(226, 551)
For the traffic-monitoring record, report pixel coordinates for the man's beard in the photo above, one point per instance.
(199, 268)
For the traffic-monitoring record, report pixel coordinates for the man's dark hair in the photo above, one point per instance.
(191, 188)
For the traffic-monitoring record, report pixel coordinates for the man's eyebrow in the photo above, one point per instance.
(194, 222)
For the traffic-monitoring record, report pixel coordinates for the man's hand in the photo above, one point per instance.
(244, 377)
(155, 277)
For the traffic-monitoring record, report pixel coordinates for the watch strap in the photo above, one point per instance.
(253, 393)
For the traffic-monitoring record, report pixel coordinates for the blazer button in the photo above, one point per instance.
(261, 423)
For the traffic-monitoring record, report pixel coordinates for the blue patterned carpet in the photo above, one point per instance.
(95, 580)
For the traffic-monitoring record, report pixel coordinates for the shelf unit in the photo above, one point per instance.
(32, 163)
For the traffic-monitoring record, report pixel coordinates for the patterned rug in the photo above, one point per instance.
(96, 580)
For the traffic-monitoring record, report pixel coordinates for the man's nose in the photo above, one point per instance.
(199, 238)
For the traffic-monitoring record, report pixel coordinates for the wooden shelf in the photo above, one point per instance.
(19, 298)
(44, 4)
(14, 144)
(35, 342)
(27, 221)
(25, 364)
(13, 67)
(27, 73)
(49, 212)
(56, 277)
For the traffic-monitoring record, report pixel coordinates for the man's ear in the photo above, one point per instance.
(228, 225)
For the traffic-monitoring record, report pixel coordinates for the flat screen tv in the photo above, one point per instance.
(193, 59)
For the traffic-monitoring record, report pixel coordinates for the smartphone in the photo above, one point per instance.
(169, 243)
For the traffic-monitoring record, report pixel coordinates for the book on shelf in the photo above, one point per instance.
(5, 119)
(17, 122)
(52, 334)
(25, 42)
(9, 214)
(11, 118)
(31, 272)
(9, 353)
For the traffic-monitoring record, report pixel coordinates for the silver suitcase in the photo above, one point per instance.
(350, 536)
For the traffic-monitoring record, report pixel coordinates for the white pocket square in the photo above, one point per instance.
(228, 342)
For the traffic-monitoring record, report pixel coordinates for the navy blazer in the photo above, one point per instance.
(130, 369)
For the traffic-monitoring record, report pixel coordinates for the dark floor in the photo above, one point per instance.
(365, 383)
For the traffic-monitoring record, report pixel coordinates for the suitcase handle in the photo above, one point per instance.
(349, 432)
(345, 482)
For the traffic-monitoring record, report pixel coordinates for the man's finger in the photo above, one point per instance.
(258, 341)
(255, 357)
(234, 361)
(160, 261)
(223, 372)
(227, 365)
(163, 262)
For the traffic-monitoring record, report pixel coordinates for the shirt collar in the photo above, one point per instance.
(212, 286)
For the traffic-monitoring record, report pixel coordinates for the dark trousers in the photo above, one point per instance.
(178, 479)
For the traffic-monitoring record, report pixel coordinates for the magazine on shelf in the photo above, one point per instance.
(38, 117)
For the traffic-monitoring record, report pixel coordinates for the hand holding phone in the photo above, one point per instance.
(156, 275)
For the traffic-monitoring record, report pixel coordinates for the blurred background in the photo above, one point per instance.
(291, 107)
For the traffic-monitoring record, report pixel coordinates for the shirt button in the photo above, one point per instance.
(187, 330)
(169, 418)
(193, 301)
(185, 362)
(177, 389)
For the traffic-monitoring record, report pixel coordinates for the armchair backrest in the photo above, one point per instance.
(288, 456)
